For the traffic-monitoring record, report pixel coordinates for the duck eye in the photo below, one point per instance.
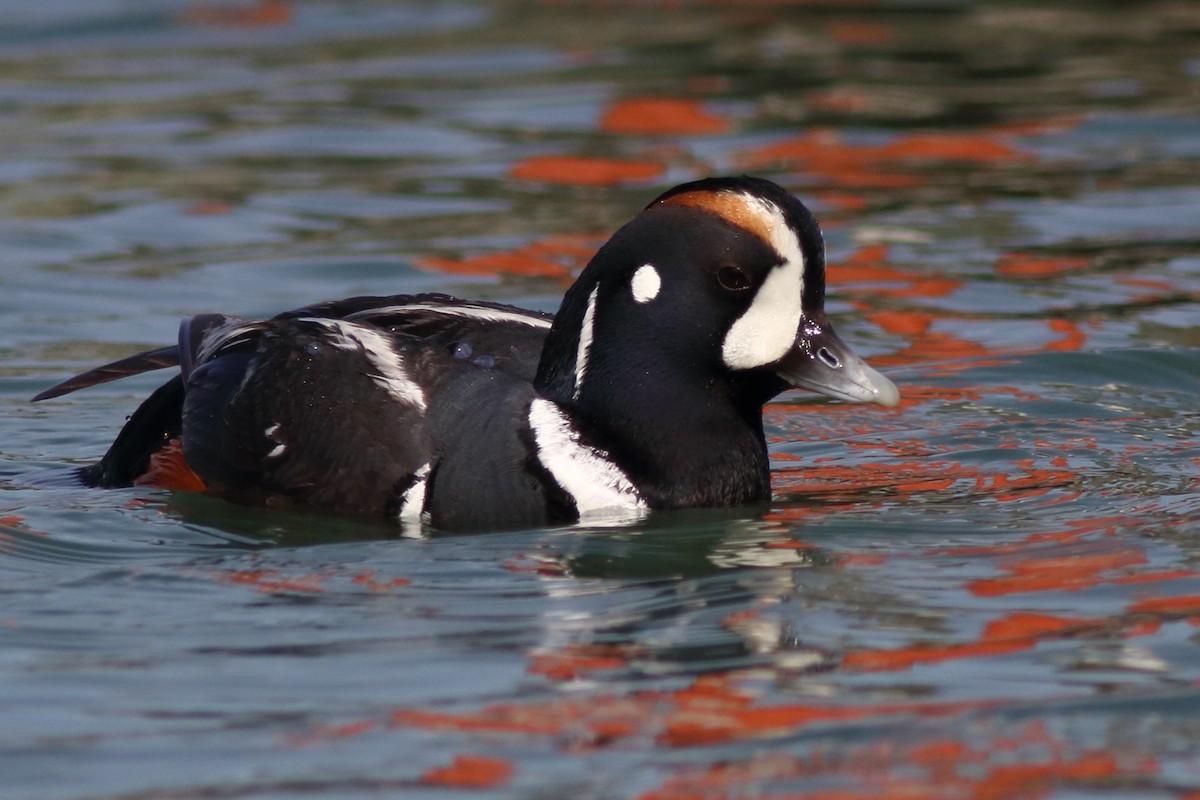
(733, 279)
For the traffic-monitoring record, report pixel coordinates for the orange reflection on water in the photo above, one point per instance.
(272, 581)
(1027, 265)
(367, 578)
(277, 581)
(925, 344)
(863, 270)
(825, 153)
(1030, 764)
(470, 771)
(265, 13)
(662, 116)
(580, 660)
(1169, 606)
(585, 171)
(587, 721)
(1060, 573)
(552, 257)
(849, 480)
(859, 33)
(1011, 633)
(713, 709)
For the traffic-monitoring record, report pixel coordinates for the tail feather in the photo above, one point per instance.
(161, 358)
(155, 423)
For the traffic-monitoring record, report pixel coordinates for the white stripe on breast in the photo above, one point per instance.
(596, 484)
(412, 502)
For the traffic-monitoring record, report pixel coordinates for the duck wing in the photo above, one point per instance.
(310, 411)
(510, 335)
(350, 406)
(488, 335)
(323, 406)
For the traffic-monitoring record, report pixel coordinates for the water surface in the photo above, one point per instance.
(992, 591)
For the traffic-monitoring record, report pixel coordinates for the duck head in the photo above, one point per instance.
(717, 286)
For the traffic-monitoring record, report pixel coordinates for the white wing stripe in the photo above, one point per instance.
(390, 372)
(466, 311)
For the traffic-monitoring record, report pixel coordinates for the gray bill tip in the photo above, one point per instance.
(821, 362)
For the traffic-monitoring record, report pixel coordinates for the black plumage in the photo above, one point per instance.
(645, 391)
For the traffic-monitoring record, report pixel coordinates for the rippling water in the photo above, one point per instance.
(989, 592)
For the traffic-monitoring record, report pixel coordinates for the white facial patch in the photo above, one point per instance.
(390, 373)
(585, 342)
(646, 283)
(767, 329)
(596, 484)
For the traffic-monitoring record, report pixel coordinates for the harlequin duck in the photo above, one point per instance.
(644, 392)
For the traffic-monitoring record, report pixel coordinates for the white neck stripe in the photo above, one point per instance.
(585, 342)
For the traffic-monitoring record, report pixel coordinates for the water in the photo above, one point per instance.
(991, 591)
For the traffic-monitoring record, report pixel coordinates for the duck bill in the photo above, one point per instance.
(821, 362)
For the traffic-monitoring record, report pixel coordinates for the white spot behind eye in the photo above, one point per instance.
(767, 329)
(646, 283)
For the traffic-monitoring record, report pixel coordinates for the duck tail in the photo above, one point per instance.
(156, 422)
